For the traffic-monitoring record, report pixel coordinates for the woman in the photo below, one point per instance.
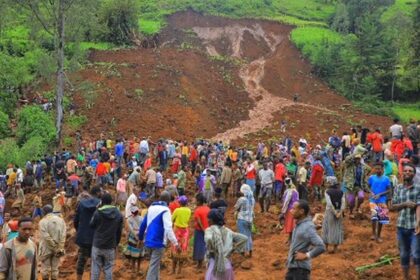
(2, 205)
(290, 196)
(121, 191)
(133, 251)
(244, 211)
(332, 228)
(220, 243)
(201, 224)
(181, 218)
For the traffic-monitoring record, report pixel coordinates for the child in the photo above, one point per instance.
(181, 217)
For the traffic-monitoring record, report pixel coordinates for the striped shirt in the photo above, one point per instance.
(402, 194)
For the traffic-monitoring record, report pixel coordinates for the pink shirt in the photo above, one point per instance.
(121, 184)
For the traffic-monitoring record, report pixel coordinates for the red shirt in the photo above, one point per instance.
(280, 172)
(317, 175)
(251, 173)
(377, 141)
(101, 169)
(201, 213)
(194, 154)
(174, 205)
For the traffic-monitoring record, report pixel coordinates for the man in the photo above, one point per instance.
(304, 238)
(107, 223)
(396, 130)
(302, 179)
(143, 150)
(377, 141)
(219, 202)
(406, 201)
(119, 151)
(150, 182)
(134, 180)
(226, 179)
(52, 230)
(413, 134)
(71, 165)
(182, 180)
(250, 174)
(266, 177)
(84, 233)
(158, 227)
(354, 180)
(280, 173)
(380, 186)
(18, 255)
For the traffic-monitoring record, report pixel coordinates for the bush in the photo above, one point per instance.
(32, 122)
(8, 102)
(121, 19)
(9, 153)
(4, 125)
(33, 149)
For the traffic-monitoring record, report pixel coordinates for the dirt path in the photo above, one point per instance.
(261, 115)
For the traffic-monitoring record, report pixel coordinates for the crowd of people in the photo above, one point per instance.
(155, 196)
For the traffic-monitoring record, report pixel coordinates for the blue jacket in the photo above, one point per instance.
(156, 227)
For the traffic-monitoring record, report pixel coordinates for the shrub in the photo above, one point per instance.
(121, 19)
(32, 122)
(75, 122)
(34, 148)
(8, 102)
(9, 153)
(4, 125)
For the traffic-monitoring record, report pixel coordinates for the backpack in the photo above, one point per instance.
(335, 142)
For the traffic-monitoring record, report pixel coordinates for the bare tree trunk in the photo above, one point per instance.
(60, 71)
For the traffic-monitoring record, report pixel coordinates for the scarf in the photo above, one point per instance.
(335, 195)
(218, 235)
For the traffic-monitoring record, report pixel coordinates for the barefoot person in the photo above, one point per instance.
(290, 197)
(305, 244)
(406, 201)
(332, 228)
(134, 251)
(201, 223)
(380, 186)
(244, 211)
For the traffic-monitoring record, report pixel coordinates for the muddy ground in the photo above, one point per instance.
(234, 80)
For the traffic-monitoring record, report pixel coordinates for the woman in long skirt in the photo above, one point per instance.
(244, 210)
(201, 223)
(220, 243)
(332, 227)
(290, 196)
(133, 251)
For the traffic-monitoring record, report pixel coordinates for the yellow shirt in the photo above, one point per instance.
(181, 217)
(12, 179)
(107, 166)
(184, 150)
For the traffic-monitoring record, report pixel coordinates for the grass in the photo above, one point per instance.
(287, 19)
(75, 122)
(305, 9)
(405, 7)
(309, 39)
(150, 26)
(102, 46)
(407, 111)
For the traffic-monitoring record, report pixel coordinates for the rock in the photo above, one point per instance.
(246, 265)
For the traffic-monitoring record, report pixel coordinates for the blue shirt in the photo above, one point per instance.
(379, 185)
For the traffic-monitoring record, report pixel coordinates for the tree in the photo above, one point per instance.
(51, 15)
(341, 20)
(415, 43)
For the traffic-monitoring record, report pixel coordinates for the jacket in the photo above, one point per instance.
(8, 261)
(306, 240)
(52, 230)
(107, 223)
(82, 218)
(349, 175)
(156, 227)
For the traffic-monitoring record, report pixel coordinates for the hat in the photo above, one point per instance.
(358, 156)
(245, 189)
(183, 199)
